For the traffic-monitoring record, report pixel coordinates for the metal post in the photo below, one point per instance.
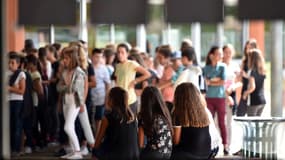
(245, 33)
(196, 39)
(276, 69)
(4, 110)
(83, 32)
(52, 33)
(141, 37)
(168, 33)
(112, 33)
(220, 35)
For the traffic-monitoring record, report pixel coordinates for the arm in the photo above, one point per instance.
(91, 81)
(141, 137)
(102, 131)
(20, 89)
(145, 75)
(215, 82)
(38, 87)
(86, 86)
(176, 135)
(251, 87)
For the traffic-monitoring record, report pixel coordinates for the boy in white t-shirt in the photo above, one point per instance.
(17, 85)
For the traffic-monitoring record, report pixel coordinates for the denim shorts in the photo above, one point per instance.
(99, 113)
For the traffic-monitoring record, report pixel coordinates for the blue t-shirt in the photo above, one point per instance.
(218, 71)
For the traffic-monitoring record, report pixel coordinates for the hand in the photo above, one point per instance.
(215, 79)
(208, 82)
(132, 84)
(244, 96)
(244, 75)
(81, 109)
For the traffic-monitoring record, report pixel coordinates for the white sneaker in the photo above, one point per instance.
(75, 155)
(28, 150)
(67, 155)
(84, 151)
(68, 149)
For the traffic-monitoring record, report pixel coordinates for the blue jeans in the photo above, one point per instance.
(28, 129)
(16, 124)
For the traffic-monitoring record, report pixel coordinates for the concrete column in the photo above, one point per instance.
(15, 35)
(196, 39)
(52, 33)
(276, 69)
(141, 37)
(4, 109)
(256, 31)
(245, 33)
(83, 32)
(220, 35)
(168, 33)
(112, 33)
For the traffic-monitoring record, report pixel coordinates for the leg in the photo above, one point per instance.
(221, 110)
(83, 117)
(260, 109)
(98, 117)
(134, 108)
(210, 106)
(229, 124)
(71, 112)
(252, 110)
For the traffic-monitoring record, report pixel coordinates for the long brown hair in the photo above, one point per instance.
(152, 105)
(189, 108)
(211, 52)
(253, 45)
(118, 101)
(256, 61)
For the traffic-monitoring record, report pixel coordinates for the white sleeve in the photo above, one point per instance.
(215, 136)
(49, 70)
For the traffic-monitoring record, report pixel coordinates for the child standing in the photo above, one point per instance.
(103, 83)
(125, 73)
(17, 85)
(71, 86)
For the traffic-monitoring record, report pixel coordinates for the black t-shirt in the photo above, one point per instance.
(121, 141)
(244, 80)
(257, 96)
(194, 140)
(52, 91)
(90, 73)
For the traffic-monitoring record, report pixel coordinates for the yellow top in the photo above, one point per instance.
(125, 73)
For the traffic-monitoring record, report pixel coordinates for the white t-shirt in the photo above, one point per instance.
(190, 74)
(15, 96)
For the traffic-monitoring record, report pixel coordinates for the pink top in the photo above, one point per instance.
(167, 92)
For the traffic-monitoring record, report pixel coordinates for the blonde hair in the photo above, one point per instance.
(72, 53)
(82, 54)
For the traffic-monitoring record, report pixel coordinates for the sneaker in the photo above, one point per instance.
(15, 154)
(67, 155)
(226, 152)
(52, 144)
(28, 150)
(75, 155)
(84, 151)
(60, 152)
